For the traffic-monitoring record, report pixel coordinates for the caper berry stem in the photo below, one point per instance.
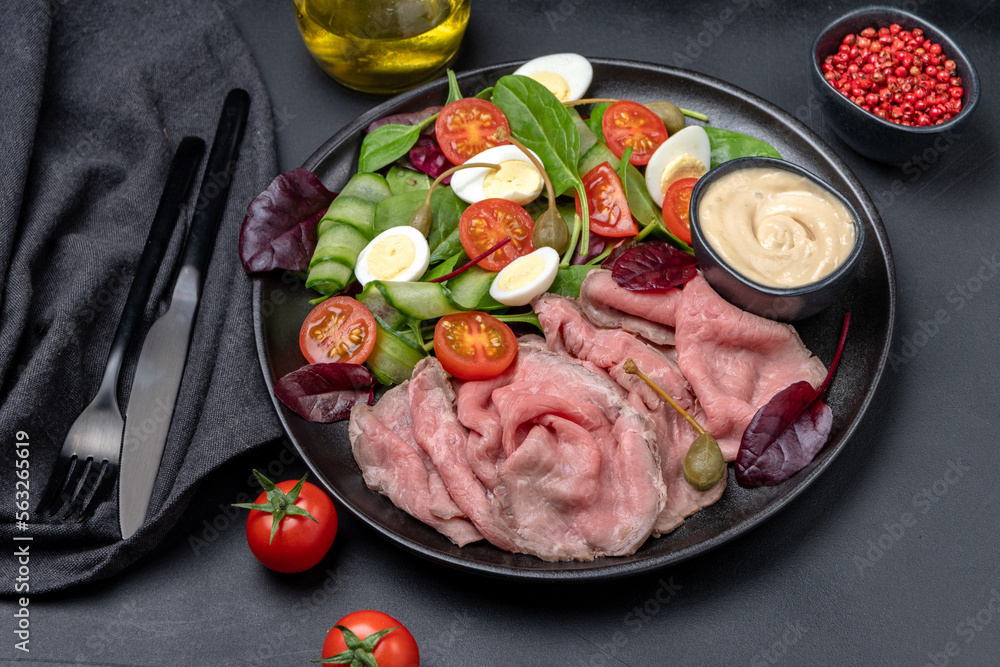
(630, 368)
(590, 100)
(459, 167)
(550, 228)
(501, 134)
(693, 114)
(422, 217)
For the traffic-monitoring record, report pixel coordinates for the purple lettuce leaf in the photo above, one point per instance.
(597, 245)
(428, 157)
(412, 118)
(325, 392)
(783, 437)
(279, 230)
(789, 430)
(619, 250)
(654, 265)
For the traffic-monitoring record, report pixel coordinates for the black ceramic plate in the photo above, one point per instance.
(281, 304)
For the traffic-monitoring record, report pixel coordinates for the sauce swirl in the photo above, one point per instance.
(776, 227)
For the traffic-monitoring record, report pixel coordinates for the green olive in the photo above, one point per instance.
(703, 464)
(671, 116)
(421, 220)
(551, 231)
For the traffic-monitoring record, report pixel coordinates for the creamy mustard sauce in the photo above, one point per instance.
(776, 228)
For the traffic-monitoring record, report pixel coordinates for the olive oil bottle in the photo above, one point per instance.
(382, 46)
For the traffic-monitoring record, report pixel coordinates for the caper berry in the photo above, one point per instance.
(422, 217)
(670, 114)
(551, 232)
(703, 463)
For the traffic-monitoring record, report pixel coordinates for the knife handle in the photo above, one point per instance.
(183, 169)
(215, 184)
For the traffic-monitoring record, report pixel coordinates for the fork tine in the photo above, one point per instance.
(52, 498)
(94, 489)
(63, 481)
(72, 488)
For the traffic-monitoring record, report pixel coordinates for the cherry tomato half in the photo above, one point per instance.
(628, 123)
(396, 649)
(609, 213)
(677, 207)
(465, 128)
(338, 329)
(474, 345)
(486, 223)
(300, 542)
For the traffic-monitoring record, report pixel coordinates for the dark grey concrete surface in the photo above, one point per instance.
(890, 558)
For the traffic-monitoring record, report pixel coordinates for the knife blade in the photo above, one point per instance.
(164, 351)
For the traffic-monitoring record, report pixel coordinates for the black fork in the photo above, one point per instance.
(88, 461)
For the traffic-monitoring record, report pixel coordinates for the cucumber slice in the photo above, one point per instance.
(373, 300)
(401, 179)
(469, 289)
(341, 243)
(328, 277)
(392, 359)
(396, 211)
(349, 210)
(367, 186)
(420, 301)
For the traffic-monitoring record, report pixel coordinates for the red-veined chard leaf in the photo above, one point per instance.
(325, 392)
(279, 230)
(427, 156)
(654, 265)
(411, 118)
(597, 245)
(788, 431)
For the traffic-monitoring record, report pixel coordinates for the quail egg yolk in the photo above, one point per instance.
(684, 165)
(391, 256)
(515, 180)
(554, 82)
(522, 272)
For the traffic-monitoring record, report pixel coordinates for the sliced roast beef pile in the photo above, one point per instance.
(566, 456)
(546, 459)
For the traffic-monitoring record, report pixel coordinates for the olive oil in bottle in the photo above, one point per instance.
(382, 46)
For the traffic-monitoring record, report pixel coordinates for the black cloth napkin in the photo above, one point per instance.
(94, 98)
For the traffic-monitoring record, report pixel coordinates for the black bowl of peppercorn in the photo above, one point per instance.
(895, 86)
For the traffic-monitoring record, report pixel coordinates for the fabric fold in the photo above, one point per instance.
(95, 98)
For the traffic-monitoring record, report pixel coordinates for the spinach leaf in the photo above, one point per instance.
(729, 145)
(445, 267)
(388, 143)
(446, 210)
(596, 120)
(544, 125)
(568, 280)
(454, 92)
(485, 94)
(623, 167)
(524, 318)
(587, 138)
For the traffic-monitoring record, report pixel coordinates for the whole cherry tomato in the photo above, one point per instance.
(396, 648)
(292, 524)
